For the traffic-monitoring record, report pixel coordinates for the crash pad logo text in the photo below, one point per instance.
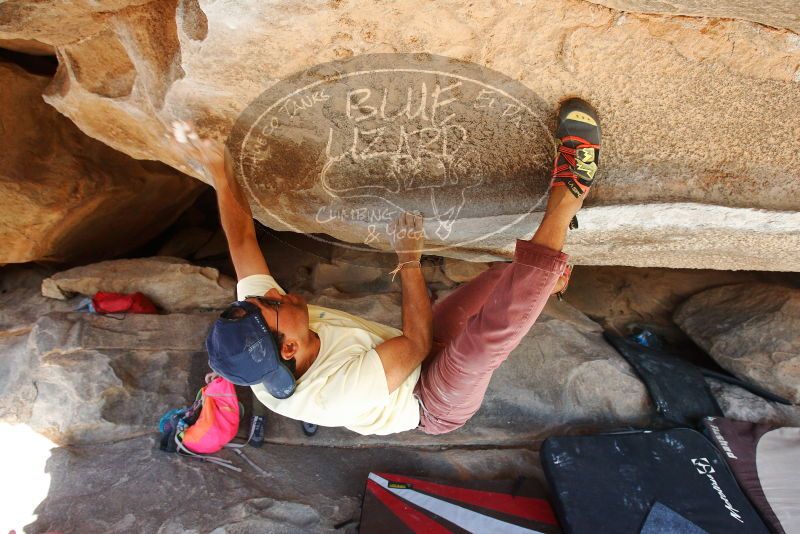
(703, 467)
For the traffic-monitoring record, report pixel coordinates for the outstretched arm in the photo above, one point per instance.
(402, 354)
(234, 211)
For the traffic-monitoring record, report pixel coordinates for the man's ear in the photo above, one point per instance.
(273, 293)
(289, 349)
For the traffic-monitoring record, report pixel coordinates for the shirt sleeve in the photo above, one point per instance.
(256, 284)
(357, 385)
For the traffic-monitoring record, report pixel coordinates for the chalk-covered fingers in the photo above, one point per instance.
(206, 153)
(407, 236)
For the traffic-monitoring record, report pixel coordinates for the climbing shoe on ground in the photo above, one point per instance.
(578, 150)
(309, 429)
(257, 423)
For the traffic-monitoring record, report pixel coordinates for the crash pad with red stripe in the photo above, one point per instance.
(402, 504)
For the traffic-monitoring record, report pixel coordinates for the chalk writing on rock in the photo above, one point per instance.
(351, 144)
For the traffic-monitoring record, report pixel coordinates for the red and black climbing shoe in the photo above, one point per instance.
(578, 152)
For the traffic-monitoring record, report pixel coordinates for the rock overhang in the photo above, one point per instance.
(694, 109)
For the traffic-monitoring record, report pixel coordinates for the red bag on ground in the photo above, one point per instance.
(104, 302)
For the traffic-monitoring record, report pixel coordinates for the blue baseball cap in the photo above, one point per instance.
(242, 350)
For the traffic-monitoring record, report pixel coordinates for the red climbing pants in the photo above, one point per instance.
(476, 328)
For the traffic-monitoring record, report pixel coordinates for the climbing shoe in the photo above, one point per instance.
(578, 150)
(257, 423)
(308, 428)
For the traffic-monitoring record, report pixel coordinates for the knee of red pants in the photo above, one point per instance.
(439, 415)
(451, 313)
(429, 424)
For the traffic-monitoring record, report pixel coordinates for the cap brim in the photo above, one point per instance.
(280, 382)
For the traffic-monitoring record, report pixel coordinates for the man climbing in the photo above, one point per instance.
(330, 368)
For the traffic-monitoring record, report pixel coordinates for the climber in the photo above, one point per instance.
(330, 368)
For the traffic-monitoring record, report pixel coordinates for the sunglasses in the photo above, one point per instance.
(272, 303)
(265, 301)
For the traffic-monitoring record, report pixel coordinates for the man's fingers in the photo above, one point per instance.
(418, 222)
(179, 132)
(400, 222)
(184, 131)
(406, 225)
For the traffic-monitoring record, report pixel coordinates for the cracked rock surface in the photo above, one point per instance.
(96, 387)
(752, 330)
(88, 378)
(67, 196)
(699, 166)
(172, 284)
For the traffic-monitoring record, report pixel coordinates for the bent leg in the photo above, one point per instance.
(450, 314)
(454, 382)
(451, 388)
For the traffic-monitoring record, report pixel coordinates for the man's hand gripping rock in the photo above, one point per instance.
(408, 238)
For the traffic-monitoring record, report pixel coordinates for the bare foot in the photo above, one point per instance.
(561, 283)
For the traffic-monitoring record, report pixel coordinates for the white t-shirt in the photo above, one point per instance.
(346, 385)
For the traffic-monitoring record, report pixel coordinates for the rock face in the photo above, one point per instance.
(463, 271)
(17, 385)
(68, 197)
(369, 273)
(689, 178)
(83, 378)
(775, 13)
(172, 284)
(21, 300)
(569, 369)
(752, 330)
(738, 403)
(86, 379)
(620, 296)
(99, 385)
(143, 488)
